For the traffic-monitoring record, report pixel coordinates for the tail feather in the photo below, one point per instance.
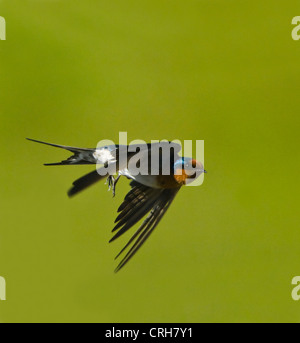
(68, 162)
(70, 148)
(80, 155)
(86, 156)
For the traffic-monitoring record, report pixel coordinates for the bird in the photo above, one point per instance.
(152, 190)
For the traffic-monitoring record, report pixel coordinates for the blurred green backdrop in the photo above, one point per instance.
(75, 72)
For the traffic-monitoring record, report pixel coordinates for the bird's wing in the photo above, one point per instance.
(138, 202)
(85, 181)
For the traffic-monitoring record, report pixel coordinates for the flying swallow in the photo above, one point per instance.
(151, 193)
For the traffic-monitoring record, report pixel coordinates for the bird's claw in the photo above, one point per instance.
(112, 183)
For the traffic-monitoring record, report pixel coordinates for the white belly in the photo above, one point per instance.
(147, 180)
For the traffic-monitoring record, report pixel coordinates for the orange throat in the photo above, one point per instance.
(181, 179)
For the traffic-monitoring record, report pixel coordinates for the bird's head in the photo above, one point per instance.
(187, 169)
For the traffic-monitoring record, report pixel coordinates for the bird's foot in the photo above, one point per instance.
(112, 183)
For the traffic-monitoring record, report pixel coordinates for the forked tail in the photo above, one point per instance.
(80, 155)
(83, 156)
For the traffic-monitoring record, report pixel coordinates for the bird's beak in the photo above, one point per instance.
(201, 170)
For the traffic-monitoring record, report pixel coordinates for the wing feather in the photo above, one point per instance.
(155, 201)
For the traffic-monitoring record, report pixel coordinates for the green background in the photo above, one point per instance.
(76, 72)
